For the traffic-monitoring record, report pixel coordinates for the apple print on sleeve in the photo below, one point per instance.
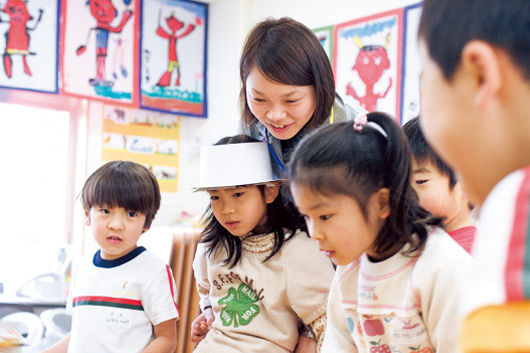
(373, 327)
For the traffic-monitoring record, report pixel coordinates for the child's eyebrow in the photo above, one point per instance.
(421, 170)
(318, 205)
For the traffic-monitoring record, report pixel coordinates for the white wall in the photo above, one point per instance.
(318, 13)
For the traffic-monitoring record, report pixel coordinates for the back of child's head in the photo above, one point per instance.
(123, 184)
(280, 218)
(339, 160)
(286, 51)
(423, 153)
(448, 25)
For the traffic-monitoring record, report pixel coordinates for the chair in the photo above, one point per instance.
(28, 325)
(57, 323)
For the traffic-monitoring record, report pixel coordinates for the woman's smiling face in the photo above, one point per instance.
(283, 109)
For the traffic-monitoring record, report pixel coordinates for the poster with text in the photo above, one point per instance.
(173, 56)
(29, 44)
(145, 137)
(99, 51)
(410, 105)
(367, 61)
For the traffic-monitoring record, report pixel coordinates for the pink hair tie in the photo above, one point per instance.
(360, 122)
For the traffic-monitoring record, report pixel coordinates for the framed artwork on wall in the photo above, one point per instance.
(367, 61)
(325, 36)
(173, 56)
(29, 44)
(99, 54)
(410, 85)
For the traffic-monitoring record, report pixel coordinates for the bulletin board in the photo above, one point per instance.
(145, 137)
(367, 61)
(29, 45)
(173, 57)
(410, 104)
(99, 54)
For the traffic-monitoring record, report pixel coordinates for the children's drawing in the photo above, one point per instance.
(173, 56)
(174, 25)
(17, 36)
(104, 13)
(410, 104)
(370, 64)
(100, 37)
(29, 44)
(367, 61)
(325, 36)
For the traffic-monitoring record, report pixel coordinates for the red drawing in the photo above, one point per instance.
(359, 327)
(174, 25)
(371, 62)
(17, 36)
(377, 347)
(373, 327)
(104, 13)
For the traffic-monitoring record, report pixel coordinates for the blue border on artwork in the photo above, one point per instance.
(404, 55)
(57, 35)
(191, 9)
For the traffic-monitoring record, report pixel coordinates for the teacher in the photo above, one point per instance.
(288, 88)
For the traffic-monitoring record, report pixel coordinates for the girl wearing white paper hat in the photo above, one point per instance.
(257, 272)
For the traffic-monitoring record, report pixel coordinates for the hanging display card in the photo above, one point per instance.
(100, 50)
(173, 56)
(29, 45)
(144, 137)
(367, 61)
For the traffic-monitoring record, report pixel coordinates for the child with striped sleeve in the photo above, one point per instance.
(123, 298)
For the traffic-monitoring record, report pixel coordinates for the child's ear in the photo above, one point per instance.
(87, 218)
(272, 190)
(481, 62)
(382, 203)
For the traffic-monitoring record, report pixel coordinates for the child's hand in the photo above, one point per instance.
(201, 325)
(306, 345)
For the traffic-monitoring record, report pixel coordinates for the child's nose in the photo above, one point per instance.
(116, 223)
(228, 208)
(314, 231)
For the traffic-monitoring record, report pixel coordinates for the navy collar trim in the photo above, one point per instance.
(100, 262)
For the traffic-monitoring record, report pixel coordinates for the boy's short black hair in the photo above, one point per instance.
(422, 151)
(447, 26)
(123, 184)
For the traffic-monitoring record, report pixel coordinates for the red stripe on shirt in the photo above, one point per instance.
(170, 278)
(515, 262)
(107, 300)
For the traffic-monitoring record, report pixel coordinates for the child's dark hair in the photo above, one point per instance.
(123, 184)
(448, 25)
(422, 151)
(337, 159)
(281, 221)
(286, 51)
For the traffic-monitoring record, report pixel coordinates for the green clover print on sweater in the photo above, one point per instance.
(240, 308)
